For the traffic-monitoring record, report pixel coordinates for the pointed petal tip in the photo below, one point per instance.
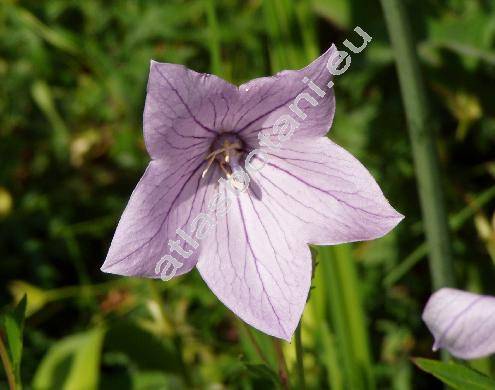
(286, 330)
(153, 63)
(391, 222)
(399, 217)
(115, 269)
(331, 49)
(278, 332)
(396, 217)
(287, 336)
(281, 334)
(108, 268)
(165, 65)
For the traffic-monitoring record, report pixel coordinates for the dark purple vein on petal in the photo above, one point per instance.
(277, 107)
(458, 317)
(164, 219)
(265, 95)
(190, 161)
(255, 259)
(267, 113)
(157, 202)
(331, 195)
(214, 111)
(299, 202)
(288, 160)
(226, 111)
(280, 204)
(274, 252)
(185, 105)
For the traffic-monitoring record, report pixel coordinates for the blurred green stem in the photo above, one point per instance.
(9, 372)
(347, 315)
(75, 291)
(256, 346)
(299, 359)
(455, 222)
(214, 39)
(423, 143)
(282, 364)
(168, 329)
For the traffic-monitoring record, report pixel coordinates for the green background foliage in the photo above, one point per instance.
(72, 86)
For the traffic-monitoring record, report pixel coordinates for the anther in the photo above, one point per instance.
(225, 155)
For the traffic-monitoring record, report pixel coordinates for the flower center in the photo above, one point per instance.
(226, 151)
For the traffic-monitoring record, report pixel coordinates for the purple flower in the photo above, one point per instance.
(461, 322)
(287, 185)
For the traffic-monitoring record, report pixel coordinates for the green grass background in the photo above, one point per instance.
(72, 86)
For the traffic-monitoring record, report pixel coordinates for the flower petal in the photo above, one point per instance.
(255, 264)
(183, 110)
(461, 322)
(166, 198)
(264, 100)
(324, 193)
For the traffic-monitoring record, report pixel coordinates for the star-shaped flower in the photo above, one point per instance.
(248, 236)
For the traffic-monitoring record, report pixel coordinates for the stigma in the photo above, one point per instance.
(226, 151)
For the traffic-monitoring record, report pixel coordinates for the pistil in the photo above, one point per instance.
(227, 157)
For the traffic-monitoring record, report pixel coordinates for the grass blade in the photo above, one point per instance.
(346, 312)
(214, 39)
(423, 143)
(455, 375)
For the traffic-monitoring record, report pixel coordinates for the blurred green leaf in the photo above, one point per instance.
(42, 95)
(456, 221)
(456, 375)
(264, 372)
(154, 381)
(36, 297)
(261, 376)
(57, 38)
(73, 363)
(337, 11)
(12, 325)
(469, 33)
(347, 315)
(146, 351)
